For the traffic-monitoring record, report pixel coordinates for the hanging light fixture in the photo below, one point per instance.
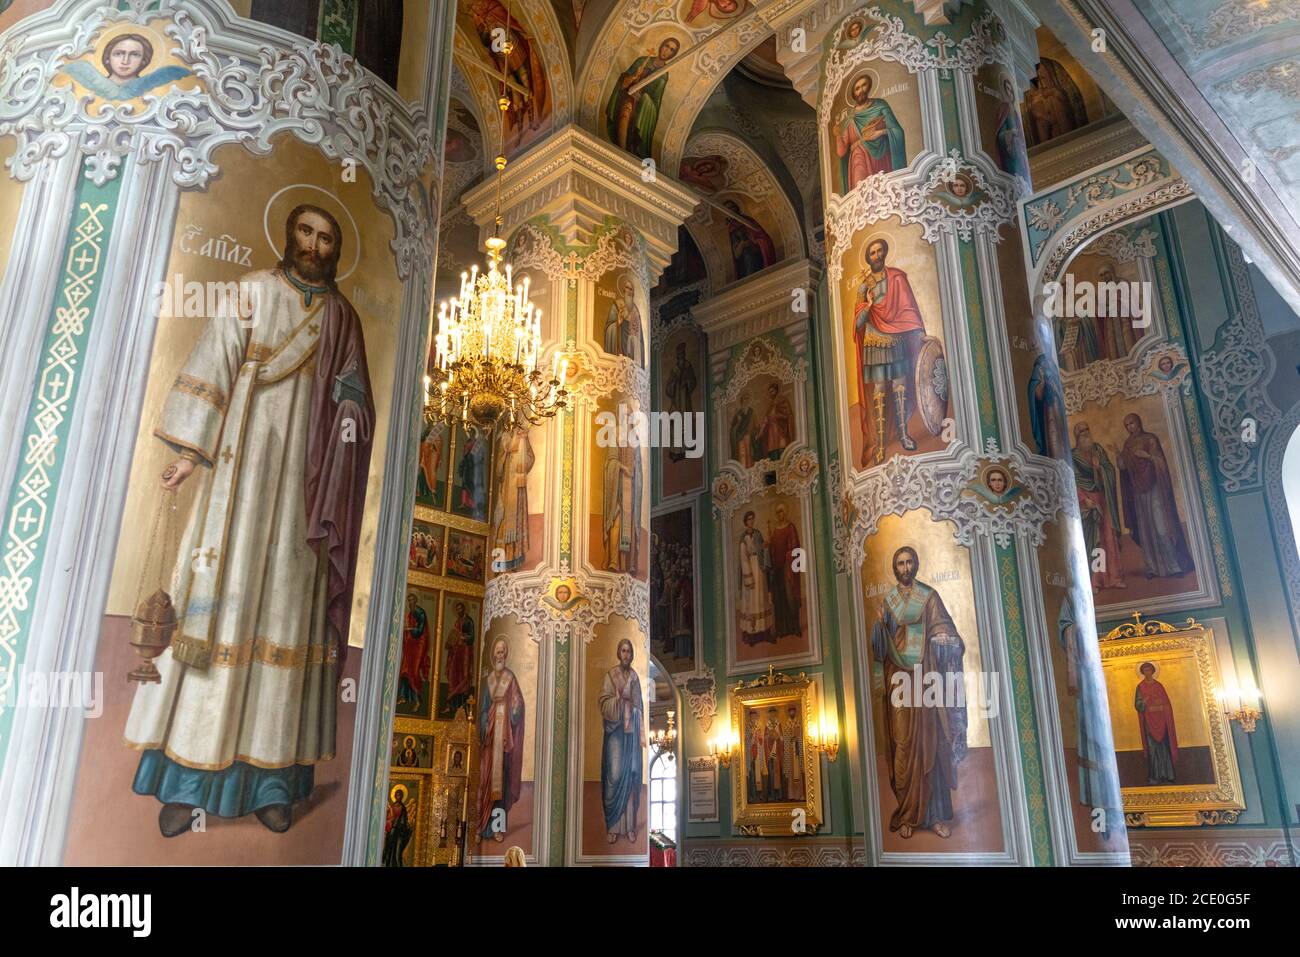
(489, 337)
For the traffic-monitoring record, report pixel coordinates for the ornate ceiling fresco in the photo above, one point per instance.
(1216, 79)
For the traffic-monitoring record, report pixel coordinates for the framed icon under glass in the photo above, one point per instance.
(1173, 745)
(776, 776)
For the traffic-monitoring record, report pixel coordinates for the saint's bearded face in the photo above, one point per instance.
(315, 247)
(625, 654)
(905, 568)
(876, 256)
(499, 656)
(861, 90)
(1085, 438)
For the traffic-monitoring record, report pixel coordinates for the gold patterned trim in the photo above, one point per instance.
(208, 392)
(221, 765)
(427, 514)
(263, 651)
(445, 582)
(187, 647)
(208, 457)
(258, 352)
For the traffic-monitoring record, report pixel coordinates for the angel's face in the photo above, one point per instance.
(127, 60)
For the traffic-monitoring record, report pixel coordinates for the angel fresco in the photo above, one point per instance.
(125, 59)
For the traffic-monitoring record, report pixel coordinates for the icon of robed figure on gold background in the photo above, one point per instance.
(868, 137)
(501, 740)
(622, 746)
(924, 743)
(272, 419)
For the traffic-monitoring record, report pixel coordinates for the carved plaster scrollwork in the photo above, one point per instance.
(760, 357)
(1234, 375)
(795, 474)
(913, 198)
(246, 97)
(616, 247)
(887, 38)
(701, 691)
(1131, 377)
(610, 375)
(598, 598)
(841, 517)
(1124, 246)
(662, 332)
(1168, 194)
(906, 483)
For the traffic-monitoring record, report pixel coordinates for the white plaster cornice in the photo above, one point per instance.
(578, 181)
(757, 304)
(818, 19)
(1069, 155)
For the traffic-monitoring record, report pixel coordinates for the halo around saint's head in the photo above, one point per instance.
(871, 75)
(286, 200)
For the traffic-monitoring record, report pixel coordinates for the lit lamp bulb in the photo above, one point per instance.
(1240, 703)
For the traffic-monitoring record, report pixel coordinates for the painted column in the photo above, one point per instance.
(141, 189)
(567, 605)
(975, 643)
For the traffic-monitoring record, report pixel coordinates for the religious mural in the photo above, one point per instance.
(529, 117)
(681, 377)
(426, 547)
(898, 387)
(615, 760)
(619, 500)
(434, 461)
(517, 521)
(1080, 694)
(932, 693)
(770, 593)
(411, 751)
(1062, 97)
(501, 811)
(404, 821)
(747, 223)
(314, 305)
(462, 619)
(674, 631)
(466, 555)
(632, 114)
(1002, 133)
(1115, 409)
(620, 316)
(471, 467)
(774, 753)
(1134, 498)
(874, 127)
(414, 691)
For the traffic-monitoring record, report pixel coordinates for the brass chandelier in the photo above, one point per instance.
(489, 339)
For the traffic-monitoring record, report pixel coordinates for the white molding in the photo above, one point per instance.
(576, 181)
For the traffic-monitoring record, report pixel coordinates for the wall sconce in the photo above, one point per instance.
(824, 737)
(1241, 704)
(724, 746)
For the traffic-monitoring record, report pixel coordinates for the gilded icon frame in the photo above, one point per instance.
(775, 818)
(1126, 648)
